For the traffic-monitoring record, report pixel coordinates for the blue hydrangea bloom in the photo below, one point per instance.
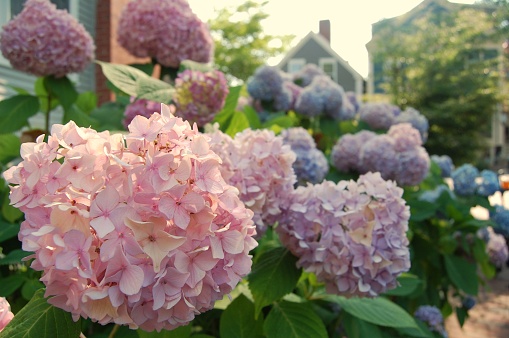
(445, 164)
(432, 316)
(501, 219)
(489, 183)
(468, 302)
(464, 180)
(322, 96)
(265, 83)
(432, 195)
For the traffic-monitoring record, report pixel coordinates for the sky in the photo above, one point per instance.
(350, 20)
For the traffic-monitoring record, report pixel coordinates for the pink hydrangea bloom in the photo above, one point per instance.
(140, 107)
(345, 153)
(200, 96)
(259, 164)
(352, 235)
(166, 30)
(405, 136)
(377, 115)
(137, 229)
(5, 313)
(43, 40)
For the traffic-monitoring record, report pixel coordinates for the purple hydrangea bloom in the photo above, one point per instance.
(311, 164)
(413, 166)
(405, 136)
(468, 302)
(379, 154)
(416, 119)
(43, 40)
(352, 234)
(497, 249)
(432, 316)
(488, 183)
(166, 30)
(284, 99)
(140, 107)
(295, 90)
(445, 164)
(305, 76)
(322, 96)
(377, 115)
(464, 179)
(352, 98)
(200, 96)
(266, 83)
(345, 153)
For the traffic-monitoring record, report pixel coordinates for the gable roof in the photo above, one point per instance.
(322, 42)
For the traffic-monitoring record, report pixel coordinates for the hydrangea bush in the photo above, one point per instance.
(235, 228)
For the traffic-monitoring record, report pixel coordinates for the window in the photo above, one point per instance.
(294, 65)
(330, 67)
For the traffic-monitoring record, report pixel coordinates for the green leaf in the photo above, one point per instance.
(9, 147)
(9, 212)
(153, 89)
(408, 284)
(8, 230)
(14, 257)
(238, 320)
(273, 275)
(281, 121)
(378, 311)
(123, 77)
(78, 116)
(293, 320)
(108, 116)
(357, 328)
(462, 273)
(39, 319)
(42, 94)
(230, 104)
(252, 117)
(179, 332)
(86, 102)
(15, 111)
(10, 284)
(30, 288)
(421, 210)
(238, 123)
(63, 89)
(147, 68)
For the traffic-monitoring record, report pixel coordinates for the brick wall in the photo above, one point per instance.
(107, 47)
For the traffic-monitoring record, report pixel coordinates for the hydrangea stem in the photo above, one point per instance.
(114, 331)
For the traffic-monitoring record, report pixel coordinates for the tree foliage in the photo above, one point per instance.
(241, 45)
(444, 67)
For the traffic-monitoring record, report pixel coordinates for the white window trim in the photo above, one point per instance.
(334, 62)
(299, 62)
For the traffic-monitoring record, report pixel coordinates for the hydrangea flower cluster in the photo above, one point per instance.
(43, 40)
(345, 153)
(464, 179)
(397, 155)
(311, 164)
(200, 96)
(140, 107)
(352, 234)
(497, 249)
(267, 84)
(306, 74)
(488, 183)
(321, 96)
(432, 195)
(445, 164)
(166, 30)
(377, 115)
(259, 164)
(137, 229)
(5, 313)
(432, 316)
(501, 219)
(416, 119)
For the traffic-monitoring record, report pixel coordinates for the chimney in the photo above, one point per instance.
(325, 29)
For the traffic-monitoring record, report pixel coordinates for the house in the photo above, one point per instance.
(315, 48)
(100, 18)
(437, 10)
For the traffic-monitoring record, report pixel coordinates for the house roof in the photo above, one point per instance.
(322, 42)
